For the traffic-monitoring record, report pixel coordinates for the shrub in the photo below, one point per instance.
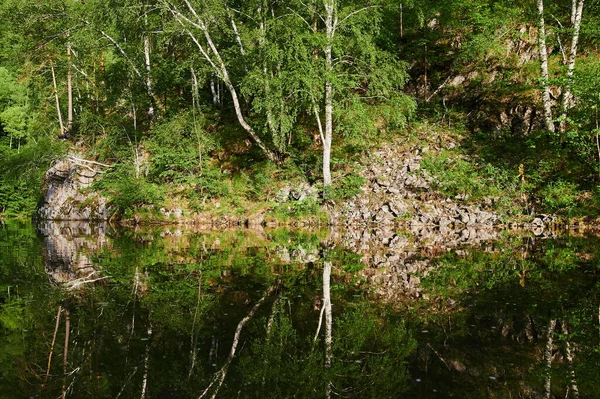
(127, 192)
(347, 187)
(177, 148)
(559, 196)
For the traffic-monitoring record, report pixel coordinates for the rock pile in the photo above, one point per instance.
(297, 192)
(399, 191)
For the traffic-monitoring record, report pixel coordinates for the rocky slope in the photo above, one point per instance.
(398, 189)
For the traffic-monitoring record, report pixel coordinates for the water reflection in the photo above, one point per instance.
(175, 312)
(67, 247)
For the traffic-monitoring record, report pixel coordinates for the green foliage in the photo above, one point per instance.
(14, 108)
(177, 147)
(21, 173)
(350, 262)
(126, 192)
(365, 342)
(559, 196)
(211, 183)
(296, 209)
(345, 188)
(458, 176)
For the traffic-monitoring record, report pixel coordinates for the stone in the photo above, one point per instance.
(67, 195)
(282, 195)
(303, 191)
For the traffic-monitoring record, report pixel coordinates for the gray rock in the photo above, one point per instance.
(282, 195)
(67, 194)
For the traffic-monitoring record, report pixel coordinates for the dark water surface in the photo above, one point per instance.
(93, 312)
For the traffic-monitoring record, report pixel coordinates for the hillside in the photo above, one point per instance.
(280, 113)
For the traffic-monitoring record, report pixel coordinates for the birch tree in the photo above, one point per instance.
(356, 72)
(127, 29)
(567, 94)
(543, 54)
(198, 23)
(567, 101)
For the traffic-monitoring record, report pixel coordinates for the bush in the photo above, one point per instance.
(21, 173)
(559, 196)
(177, 148)
(347, 187)
(126, 192)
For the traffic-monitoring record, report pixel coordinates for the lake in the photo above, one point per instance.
(176, 312)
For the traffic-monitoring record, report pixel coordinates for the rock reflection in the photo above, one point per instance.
(190, 311)
(67, 249)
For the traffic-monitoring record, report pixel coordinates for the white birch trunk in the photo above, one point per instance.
(220, 375)
(69, 90)
(401, 20)
(546, 100)
(570, 362)
(148, 75)
(60, 120)
(567, 100)
(146, 363)
(548, 358)
(193, 337)
(237, 36)
(330, 25)
(215, 95)
(328, 320)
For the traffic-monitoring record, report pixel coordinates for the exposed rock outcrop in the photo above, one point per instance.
(67, 193)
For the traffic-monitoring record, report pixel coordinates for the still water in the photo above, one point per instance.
(89, 311)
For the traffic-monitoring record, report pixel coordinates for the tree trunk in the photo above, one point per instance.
(60, 120)
(66, 353)
(215, 92)
(146, 363)
(328, 321)
(567, 99)
(193, 336)
(220, 375)
(69, 90)
(401, 20)
(546, 100)
(330, 25)
(148, 76)
(548, 359)
(570, 361)
(52, 346)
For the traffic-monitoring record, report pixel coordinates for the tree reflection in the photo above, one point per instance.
(233, 314)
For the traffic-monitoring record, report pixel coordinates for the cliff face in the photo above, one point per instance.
(67, 193)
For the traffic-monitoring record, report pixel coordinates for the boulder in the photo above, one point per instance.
(68, 194)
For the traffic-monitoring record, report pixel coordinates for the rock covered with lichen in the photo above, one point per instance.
(68, 194)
